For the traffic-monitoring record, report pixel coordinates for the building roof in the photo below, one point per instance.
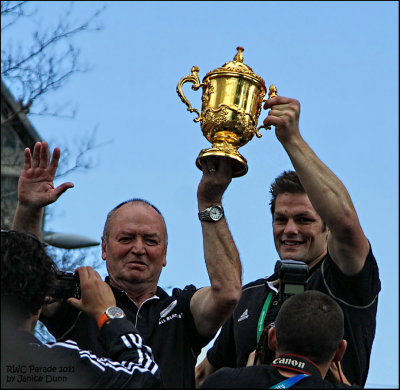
(19, 122)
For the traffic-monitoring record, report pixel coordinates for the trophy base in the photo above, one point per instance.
(239, 163)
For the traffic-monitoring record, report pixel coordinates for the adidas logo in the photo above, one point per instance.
(244, 315)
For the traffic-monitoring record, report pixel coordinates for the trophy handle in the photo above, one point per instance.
(272, 93)
(192, 78)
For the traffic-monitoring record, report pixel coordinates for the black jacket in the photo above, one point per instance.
(265, 376)
(26, 362)
(164, 321)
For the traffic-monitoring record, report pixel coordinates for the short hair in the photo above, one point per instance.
(310, 324)
(27, 274)
(287, 181)
(106, 230)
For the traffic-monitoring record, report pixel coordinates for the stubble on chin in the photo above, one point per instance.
(291, 255)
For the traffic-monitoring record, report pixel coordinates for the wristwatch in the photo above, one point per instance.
(211, 214)
(111, 313)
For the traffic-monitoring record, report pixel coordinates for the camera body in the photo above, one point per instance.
(68, 285)
(292, 278)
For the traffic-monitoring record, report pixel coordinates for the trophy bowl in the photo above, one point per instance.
(231, 104)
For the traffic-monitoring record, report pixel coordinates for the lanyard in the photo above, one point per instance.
(260, 326)
(289, 382)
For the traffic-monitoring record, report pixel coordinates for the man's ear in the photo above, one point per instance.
(164, 263)
(103, 248)
(31, 322)
(272, 339)
(341, 349)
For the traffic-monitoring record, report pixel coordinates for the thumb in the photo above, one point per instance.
(62, 188)
(75, 302)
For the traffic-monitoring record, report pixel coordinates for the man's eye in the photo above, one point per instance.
(151, 241)
(305, 220)
(124, 239)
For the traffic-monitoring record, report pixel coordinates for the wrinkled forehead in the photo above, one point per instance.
(137, 213)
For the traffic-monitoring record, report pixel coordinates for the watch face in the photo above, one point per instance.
(215, 213)
(115, 312)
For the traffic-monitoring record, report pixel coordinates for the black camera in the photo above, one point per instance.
(292, 277)
(292, 280)
(67, 285)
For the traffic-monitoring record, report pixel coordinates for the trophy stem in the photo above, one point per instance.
(225, 144)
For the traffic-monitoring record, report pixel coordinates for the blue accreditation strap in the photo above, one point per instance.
(289, 382)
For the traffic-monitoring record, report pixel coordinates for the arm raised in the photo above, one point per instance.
(347, 244)
(36, 189)
(211, 306)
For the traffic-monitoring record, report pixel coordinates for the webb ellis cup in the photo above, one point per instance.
(231, 104)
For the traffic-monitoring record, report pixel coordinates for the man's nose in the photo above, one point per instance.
(138, 247)
(291, 227)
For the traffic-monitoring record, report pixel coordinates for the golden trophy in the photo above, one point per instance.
(231, 104)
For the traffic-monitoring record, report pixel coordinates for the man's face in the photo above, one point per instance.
(297, 228)
(136, 249)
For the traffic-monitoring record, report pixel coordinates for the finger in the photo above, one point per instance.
(83, 273)
(209, 164)
(44, 155)
(225, 167)
(92, 273)
(54, 161)
(75, 302)
(272, 121)
(204, 164)
(277, 100)
(28, 159)
(36, 155)
(277, 112)
(96, 274)
(282, 107)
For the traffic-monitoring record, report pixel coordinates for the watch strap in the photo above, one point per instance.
(102, 320)
(111, 313)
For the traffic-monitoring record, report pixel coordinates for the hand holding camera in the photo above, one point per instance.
(96, 295)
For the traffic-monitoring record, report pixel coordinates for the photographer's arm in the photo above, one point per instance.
(36, 189)
(96, 295)
(132, 364)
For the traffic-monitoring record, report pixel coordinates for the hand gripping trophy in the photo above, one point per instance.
(231, 104)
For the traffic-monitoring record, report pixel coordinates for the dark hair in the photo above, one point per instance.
(106, 230)
(310, 324)
(287, 181)
(27, 274)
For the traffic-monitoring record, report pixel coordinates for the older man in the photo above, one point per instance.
(134, 246)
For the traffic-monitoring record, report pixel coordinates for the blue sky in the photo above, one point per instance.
(339, 59)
